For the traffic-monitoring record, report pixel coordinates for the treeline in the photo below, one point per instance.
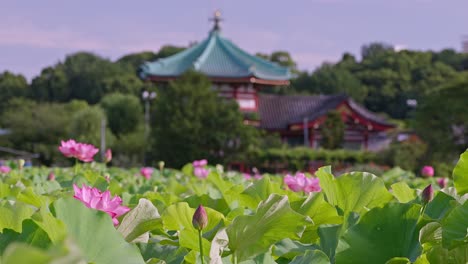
(426, 91)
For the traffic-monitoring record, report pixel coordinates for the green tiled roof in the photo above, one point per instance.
(216, 56)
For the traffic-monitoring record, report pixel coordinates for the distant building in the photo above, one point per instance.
(240, 76)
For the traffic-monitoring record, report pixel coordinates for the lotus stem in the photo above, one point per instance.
(201, 245)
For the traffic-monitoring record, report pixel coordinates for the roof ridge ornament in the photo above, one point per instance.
(216, 19)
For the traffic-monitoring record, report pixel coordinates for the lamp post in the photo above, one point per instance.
(147, 97)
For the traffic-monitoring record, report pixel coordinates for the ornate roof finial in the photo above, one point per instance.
(217, 19)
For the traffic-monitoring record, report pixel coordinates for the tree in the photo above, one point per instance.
(442, 120)
(11, 86)
(190, 121)
(375, 49)
(124, 112)
(332, 131)
(135, 60)
(38, 128)
(84, 76)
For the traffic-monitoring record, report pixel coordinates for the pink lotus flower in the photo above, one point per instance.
(68, 148)
(199, 169)
(442, 182)
(108, 156)
(51, 176)
(146, 172)
(81, 151)
(300, 182)
(200, 163)
(247, 176)
(258, 176)
(102, 201)
(427, 171)
(4, 169)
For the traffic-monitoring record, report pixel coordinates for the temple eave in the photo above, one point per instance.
(250, 79)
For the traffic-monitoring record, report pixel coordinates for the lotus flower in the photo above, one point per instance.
(146, 172)
(108, 156)
(68, 148)
(200, 218)
(4, 169)
(442, 182)
(102, 201)
(51, 176)
(81, 151)
(199, 169)
(247, 176)
(258, 176)
(200, 163)
(300, 182)
(427, 194)
(427, 171)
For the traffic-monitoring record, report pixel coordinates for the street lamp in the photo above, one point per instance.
(147, 97)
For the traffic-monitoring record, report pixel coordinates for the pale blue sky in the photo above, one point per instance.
(38, 33)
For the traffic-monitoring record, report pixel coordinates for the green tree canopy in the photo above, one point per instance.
(84, 76)
(190, 121)
(332, 131)
(124, 112)
(442, 119)
(11, 86)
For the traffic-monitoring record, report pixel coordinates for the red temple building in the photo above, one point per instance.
(240, 76)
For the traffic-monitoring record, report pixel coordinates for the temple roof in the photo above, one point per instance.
(278, 112)
(216, 57)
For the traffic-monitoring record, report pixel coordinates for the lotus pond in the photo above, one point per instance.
(93, 214)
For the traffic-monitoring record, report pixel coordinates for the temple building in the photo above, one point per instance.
(240, 76)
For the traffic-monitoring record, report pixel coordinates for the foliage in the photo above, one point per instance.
(298, 158)
(12, 86)
(332, 131)
(354, 218)
(83, 76)
(445, 119)
(408, 154)
(124, 112)
(198, 125)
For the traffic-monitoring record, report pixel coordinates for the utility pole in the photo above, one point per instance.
(147, 97)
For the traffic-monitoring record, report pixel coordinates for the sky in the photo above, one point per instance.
(35, 34)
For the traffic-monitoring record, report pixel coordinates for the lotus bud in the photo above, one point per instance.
(51, 176)
(427, 171)
(161, 165)
(21, 164)
(108, 156)
(428, 194)
(200, 218)
(442, 182)
(107, 177)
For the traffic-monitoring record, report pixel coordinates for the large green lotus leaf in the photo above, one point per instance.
(353, 192)
(329, 237)
(54, 228)
(274, 220)
(382, 234)
(430, 235)
(95, 234)
(320, 212)
(460, 174)
(179, 217)
(141, 219)
(440, 206)
(288, 248)
(454, 227)
(31, 234)
(311, 256)
(21, 253)
(170, 254)
(12, 216)
(219, 205)
(403, 192)
(440, 255)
